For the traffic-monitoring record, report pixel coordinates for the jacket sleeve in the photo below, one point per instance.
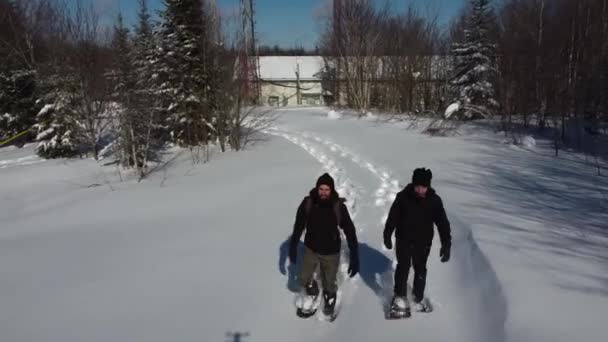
(394, 217)
(347, 225)
(299, 225)
(443, 224)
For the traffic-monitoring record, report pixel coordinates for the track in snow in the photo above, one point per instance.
(483, 287)
(345, 188)
(22, 161)
(334, 158)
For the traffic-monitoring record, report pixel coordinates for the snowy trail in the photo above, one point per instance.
(22, 161)
(372, 204)
(388, 185)
(345, 188)
(196, 251)
(484, 299)
(375, 203)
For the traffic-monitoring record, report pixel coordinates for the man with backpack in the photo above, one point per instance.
(320, 214)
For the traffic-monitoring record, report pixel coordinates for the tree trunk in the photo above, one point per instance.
(540, 97)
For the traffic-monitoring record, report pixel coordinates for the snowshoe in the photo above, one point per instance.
(307, 303)
(399, 309)
(422, 305)
(306, 313)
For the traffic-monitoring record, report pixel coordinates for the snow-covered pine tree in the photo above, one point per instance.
(145, 102)
(143, 56)
(55, 125)
(220, 76)
(181, 69)
(18, 78)
(123, 78)
(475, 64)
(18, 105)
(123, 72)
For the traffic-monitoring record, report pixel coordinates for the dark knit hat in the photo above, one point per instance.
(326, 179)
(422, 176)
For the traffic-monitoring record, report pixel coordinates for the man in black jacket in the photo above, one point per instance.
(320, 214)
(412, 215)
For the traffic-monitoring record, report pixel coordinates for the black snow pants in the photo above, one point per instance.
(411, 254)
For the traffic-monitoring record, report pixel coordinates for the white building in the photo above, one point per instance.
(291, 81)
(299, 80)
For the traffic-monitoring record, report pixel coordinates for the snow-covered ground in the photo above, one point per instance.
(196, 251)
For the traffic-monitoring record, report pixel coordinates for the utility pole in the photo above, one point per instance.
(298, 88)
(336, 42)
(249, 45)
(252, 23)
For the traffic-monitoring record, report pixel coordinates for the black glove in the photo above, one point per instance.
(293, 253)
(353, 268)
(388, 243)
(444, 253)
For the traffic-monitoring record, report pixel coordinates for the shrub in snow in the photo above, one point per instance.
(55, 140)
(60, 145)
(333, 115)
(55, 129)
(528, 141)
(107, 151)
(453, 108)
(6, 121)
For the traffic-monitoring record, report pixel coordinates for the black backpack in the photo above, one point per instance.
(337, 211)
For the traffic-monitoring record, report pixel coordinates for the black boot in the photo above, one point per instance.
(330, 303)
(312, 289)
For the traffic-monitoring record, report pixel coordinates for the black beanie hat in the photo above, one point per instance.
(422, 176)
(326, 179)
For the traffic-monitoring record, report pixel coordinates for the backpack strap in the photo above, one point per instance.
(337, 208)
(308, 206)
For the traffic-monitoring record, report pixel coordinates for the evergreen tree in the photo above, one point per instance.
(123, 78)
(475, 65)
(182, 73)
(18, 79)
(145, 104)
(55, 127)
(143, 56)
(123, 72)
(18, 102)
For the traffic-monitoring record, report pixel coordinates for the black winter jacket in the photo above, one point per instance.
(412, 218)
(322, 234)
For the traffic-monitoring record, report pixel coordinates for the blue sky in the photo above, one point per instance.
(282, 22)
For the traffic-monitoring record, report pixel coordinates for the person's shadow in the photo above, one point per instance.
(287, 268)
(375, 270)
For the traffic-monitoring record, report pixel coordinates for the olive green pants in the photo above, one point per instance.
(329, 265)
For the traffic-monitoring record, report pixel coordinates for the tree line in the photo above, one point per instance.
(77, 85)
(81, 87)
(277, 50)
(535, 62)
